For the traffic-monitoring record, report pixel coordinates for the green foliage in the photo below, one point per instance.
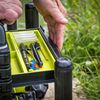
(82, 43)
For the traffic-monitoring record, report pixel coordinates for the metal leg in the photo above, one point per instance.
(31, 16)
(63, 79)
(5, 71)
(12, 27)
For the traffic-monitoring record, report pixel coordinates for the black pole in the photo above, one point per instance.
(31, 16)
(63, 79)
(5, 70)
(12, 27)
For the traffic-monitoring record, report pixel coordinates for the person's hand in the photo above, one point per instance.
(54, 14)
(10, 10)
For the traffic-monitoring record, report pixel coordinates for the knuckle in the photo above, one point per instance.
(11, 15)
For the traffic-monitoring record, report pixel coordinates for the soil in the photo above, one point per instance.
(78, 94)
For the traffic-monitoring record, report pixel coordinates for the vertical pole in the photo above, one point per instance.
(12, 27)
(5, 70)
(31, 16)
(63, 79)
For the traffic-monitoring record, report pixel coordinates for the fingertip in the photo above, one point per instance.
(65, 20)
(59, 45)
(8, 22)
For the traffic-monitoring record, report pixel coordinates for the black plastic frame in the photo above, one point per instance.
(28, 79)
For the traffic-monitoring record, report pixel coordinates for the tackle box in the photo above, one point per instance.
(19, 70)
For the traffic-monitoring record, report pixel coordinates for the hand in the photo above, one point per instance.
(10, 10)
(54, 14)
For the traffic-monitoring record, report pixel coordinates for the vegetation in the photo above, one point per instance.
(82, 44)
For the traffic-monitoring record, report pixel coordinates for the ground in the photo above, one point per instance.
(76, 90)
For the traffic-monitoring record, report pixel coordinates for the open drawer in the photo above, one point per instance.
(20, 73)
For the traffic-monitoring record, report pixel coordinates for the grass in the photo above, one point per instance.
(82, 44)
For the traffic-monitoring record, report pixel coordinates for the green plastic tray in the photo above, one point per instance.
(17, 62)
